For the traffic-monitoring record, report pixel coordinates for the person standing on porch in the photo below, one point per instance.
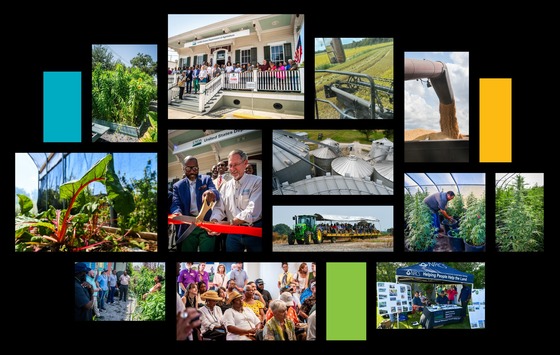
(189, 76)
(181, 83)
(196, 83)
(203, 75)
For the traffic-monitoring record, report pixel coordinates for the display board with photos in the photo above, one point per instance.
(477, 309)
(394, 298)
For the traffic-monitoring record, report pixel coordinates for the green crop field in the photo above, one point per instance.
(374, 60)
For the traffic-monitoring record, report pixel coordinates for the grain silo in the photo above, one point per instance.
(323, 157)
(379, 149)
(352, 166)
(290, 159)
(383, 170)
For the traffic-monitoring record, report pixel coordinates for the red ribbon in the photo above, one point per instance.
(223, 228)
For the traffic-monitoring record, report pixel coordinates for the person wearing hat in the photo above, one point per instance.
(83, 294)
(241, 323)
(437, 202)
(267, 297)
(442, 298)
(279, 327)
(103, 285)
(211, 317)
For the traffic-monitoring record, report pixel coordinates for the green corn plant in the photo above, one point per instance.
(55, 224)
(122, 95)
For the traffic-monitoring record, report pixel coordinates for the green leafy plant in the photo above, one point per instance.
(122, 95)
(473, 223)
(454, 233)
(151, 133)
(56, 229)
(144, 192)
(457, 207)
(153, 307)
(419, 229)
(519, 219)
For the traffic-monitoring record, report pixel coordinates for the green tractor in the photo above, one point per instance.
(305, 229)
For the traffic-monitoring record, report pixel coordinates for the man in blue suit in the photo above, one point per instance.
(187, 200)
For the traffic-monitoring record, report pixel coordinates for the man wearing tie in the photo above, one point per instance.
(187, 200)
(285, 278)
(223, 175)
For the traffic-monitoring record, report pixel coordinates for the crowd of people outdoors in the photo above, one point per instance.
(244, 309)
(237, 194)
(213, 71)
(95, 290)
(347, 228)
(189, 78)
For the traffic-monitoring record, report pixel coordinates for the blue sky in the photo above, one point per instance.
(284, 214)
(125, 52)
(531, 179)
(421, 104)
(320, 45)
(132, 164)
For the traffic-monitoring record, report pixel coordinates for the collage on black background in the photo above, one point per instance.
(396, 159)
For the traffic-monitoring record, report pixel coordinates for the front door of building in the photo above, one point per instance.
(220, 57)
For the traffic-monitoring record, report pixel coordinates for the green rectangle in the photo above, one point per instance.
(346, 307)
(62, 107)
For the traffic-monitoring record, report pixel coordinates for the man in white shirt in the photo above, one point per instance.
(240, 203)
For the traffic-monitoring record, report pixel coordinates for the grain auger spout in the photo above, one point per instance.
(438, 74)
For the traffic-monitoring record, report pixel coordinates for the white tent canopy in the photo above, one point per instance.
(345, 219)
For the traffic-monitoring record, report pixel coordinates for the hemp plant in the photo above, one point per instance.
(516, 230)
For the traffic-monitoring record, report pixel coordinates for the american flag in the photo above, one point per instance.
(297, 56)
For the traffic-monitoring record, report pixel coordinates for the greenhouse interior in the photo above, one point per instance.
(86, 202)
(458, 223)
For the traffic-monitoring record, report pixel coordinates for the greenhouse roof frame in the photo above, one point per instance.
(422, 181)
(46, 161)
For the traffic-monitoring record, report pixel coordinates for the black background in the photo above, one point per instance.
(37, 289)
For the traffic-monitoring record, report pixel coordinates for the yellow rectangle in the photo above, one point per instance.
(495, 120)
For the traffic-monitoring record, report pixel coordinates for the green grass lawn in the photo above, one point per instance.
(416, 318)
(341, 136)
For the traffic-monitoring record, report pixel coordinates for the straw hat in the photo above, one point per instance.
(211, 295)
(234, 295)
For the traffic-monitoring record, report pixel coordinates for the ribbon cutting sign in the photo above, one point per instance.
(216, 227)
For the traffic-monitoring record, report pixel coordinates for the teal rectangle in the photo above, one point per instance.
(62, 107)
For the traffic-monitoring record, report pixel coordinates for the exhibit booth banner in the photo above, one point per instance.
(432, 272)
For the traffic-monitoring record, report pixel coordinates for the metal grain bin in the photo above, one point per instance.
(334, 185)
(287, 160)
(352, 166)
